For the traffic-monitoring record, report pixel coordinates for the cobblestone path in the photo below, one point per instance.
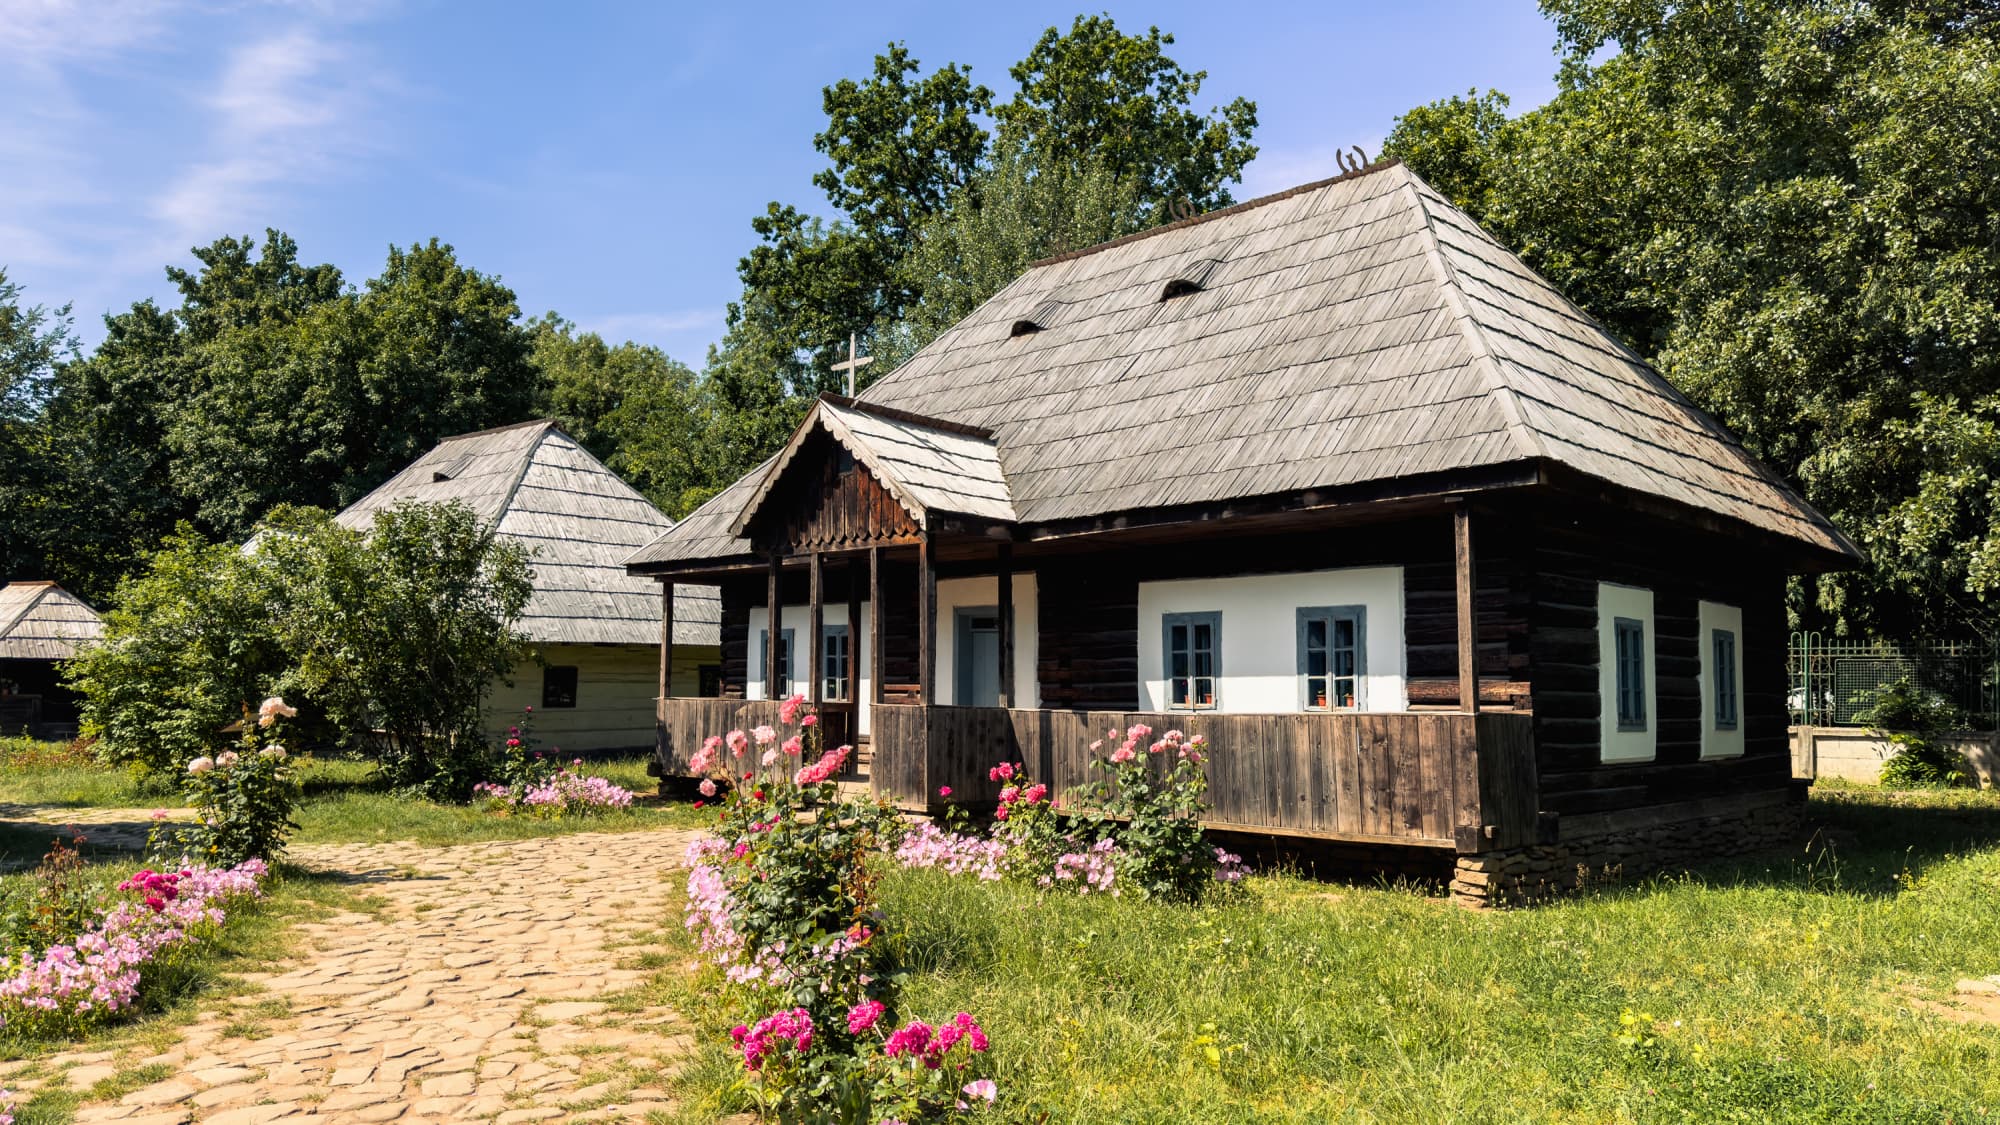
(473, 994)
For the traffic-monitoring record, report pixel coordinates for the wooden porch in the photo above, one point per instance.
(1440, 780)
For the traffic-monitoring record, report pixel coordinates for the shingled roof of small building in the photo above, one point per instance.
(43, 621)
(534, 484)
(1359, 329)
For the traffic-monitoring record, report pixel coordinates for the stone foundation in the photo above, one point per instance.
(1612, 847)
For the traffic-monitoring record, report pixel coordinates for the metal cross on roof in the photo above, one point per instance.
(853, 363)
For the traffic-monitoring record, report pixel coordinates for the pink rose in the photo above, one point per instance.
(943, 791)
(1123, 753)
(793, 746)
(864, 1016)
(1138, 732)
(764, 735)
(790, 707)
(809, 721)
(738, 742)
(707, 787)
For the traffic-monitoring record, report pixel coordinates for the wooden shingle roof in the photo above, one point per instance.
(1361, 329)
(43, 621)
(534, 484)
(928, 467)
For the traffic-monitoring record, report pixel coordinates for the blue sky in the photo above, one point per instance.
(603, 159)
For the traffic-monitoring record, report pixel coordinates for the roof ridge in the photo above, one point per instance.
(621, 482)
(896, 414)
(1506, 399)
(1233, 209)
(501, 429)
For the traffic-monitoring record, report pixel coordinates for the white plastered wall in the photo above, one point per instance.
(798, 619)
(616, 686)
(1615, 601)
(1716, 742)
(1259, 656)
(953, 593)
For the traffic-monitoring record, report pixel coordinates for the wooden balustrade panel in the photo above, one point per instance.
(685, 723)
(898, 772)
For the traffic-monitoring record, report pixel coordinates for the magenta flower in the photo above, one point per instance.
(944, 790)
(809, 721)
(864, 1016)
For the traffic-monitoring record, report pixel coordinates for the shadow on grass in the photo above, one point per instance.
(1856, 841)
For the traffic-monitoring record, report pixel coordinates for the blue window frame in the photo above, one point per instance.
(1723, 644)
(1332, 648)
(1193, 654)
(833, 663)
(783, 687)
(1631, 656)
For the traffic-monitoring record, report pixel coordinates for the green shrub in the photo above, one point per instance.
(387, 641)
(1916, 720)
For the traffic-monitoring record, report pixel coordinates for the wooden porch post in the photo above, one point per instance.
(926, 621)
(875, 661)
(1468, 625)
(1004, 605)
(818, 613)
(667, 639)
(774, 629)
(854, 647)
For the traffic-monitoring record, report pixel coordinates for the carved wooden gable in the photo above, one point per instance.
(826, 501)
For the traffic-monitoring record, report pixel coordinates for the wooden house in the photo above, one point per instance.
(41, 625)
(596, 630)
(1330, 476)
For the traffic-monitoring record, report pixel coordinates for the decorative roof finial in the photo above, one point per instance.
(1348, 168)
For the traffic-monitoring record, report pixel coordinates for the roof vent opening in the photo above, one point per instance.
(1193, 279)
(1040, 318)
(449, 470)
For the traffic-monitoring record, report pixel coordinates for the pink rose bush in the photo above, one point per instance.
(1139, 829)
(780, 903)
(72, 986)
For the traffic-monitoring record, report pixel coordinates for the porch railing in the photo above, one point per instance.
(1458, 780)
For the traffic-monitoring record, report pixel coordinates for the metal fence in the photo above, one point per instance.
(1833, 682)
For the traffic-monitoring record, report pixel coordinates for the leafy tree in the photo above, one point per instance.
(1015, 213)
(907, 151)
(1794, 210)
(1098, 96)
(406, 625)
(642, 413)
(272, 382)
(398, 630)
(188, 644)
(33, 341)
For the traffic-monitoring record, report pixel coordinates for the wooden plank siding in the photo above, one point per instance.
(1384, 778)
(683, 724)
(828, 502)
(1575, 548)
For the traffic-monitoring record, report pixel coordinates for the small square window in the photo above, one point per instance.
(559, 686)
(1631, 655)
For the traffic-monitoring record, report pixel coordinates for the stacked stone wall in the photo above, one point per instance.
(1541, 871)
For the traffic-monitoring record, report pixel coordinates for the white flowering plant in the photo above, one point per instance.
(244, 796)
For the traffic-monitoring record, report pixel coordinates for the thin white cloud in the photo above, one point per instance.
(654, 325)
(282, 116)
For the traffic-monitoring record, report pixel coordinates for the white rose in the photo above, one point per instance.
(202, 764)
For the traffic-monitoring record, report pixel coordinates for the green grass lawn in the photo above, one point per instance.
(344, 801)
(1784, 989)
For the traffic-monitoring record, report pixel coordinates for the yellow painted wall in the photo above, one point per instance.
(615, 689)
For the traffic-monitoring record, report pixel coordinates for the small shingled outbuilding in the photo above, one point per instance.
(41, 625)
(595, 628)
